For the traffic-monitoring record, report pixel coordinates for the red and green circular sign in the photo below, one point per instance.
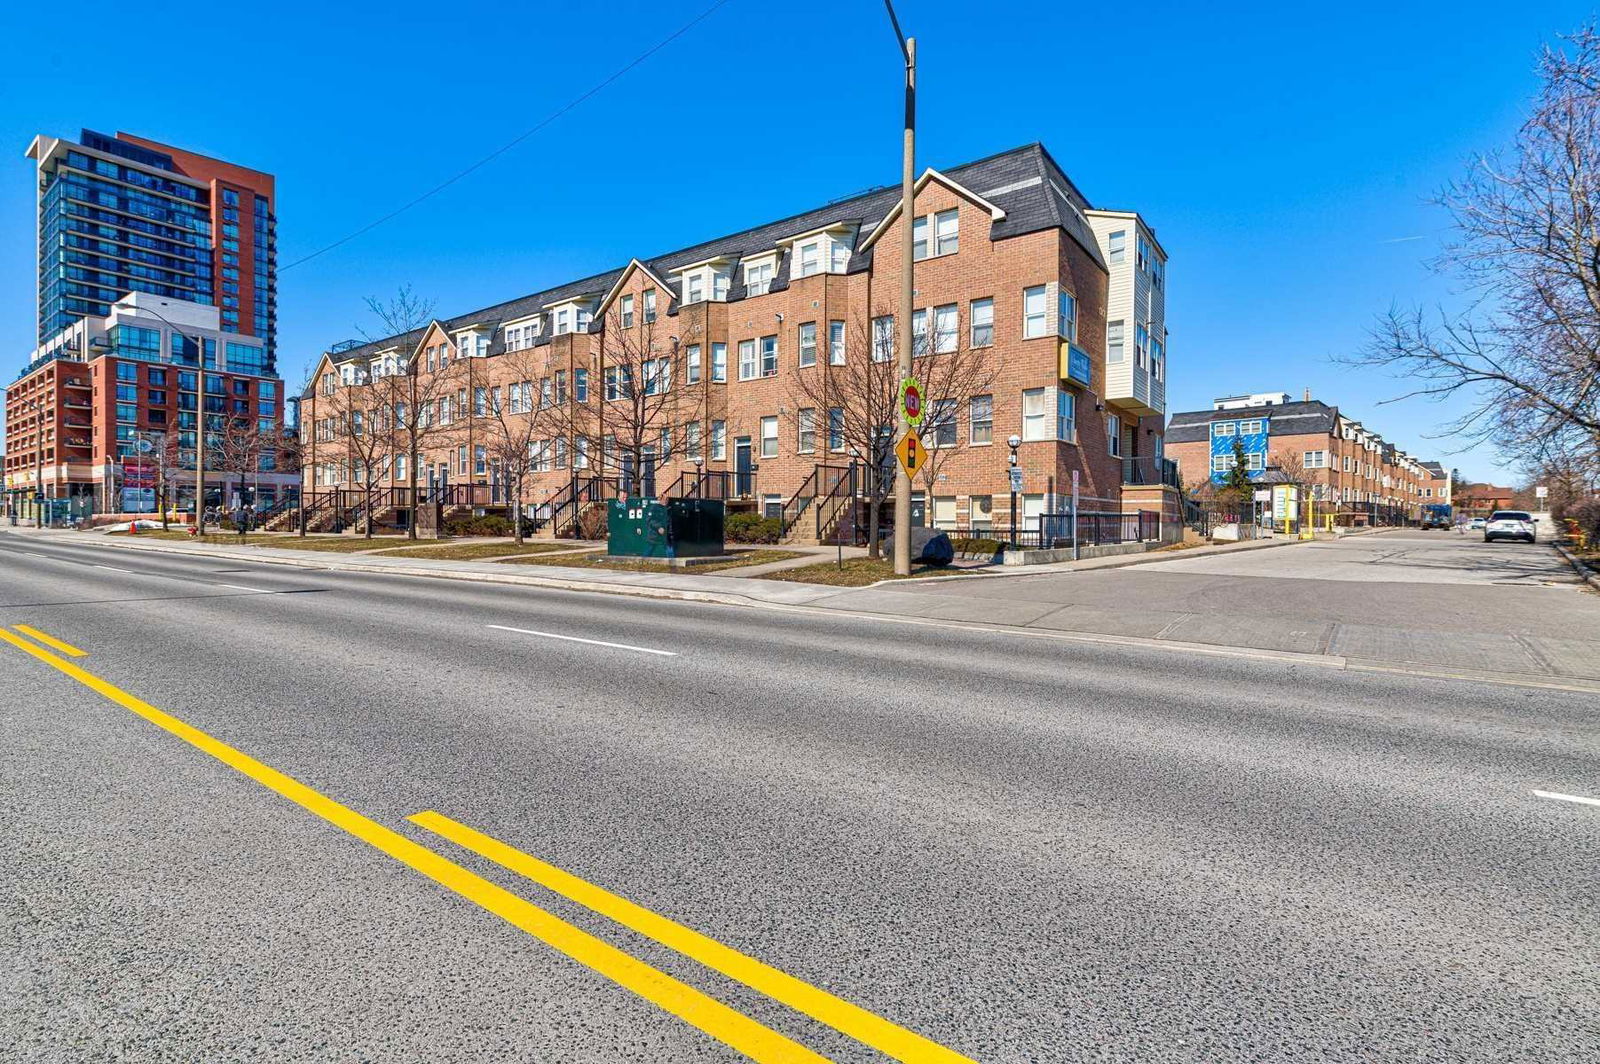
(911, 400)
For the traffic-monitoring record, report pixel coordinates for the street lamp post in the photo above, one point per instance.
(902, 483)
(1013, 442)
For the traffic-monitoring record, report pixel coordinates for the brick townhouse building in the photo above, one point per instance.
(1349, 468)
(1438, 486)
(750, 344)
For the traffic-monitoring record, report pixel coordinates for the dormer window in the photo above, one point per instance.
(520, 337)
(758, 276)
(808, 258)
(705, 280)
(570, 318)
(472, 344)
(822, 250)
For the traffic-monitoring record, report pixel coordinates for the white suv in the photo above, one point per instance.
(1509, 524)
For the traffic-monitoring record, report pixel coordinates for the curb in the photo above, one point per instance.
(1584, 573)
(514, 579)
(1147, 558)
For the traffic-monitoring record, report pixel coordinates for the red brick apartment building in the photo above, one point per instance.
(1350, 469)
(749, 344)
(1481, 500)
(157, 298)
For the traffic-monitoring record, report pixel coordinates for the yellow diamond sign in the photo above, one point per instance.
(913, 456)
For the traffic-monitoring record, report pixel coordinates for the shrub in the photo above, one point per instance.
(1586, 514)
(592, 522)
(977, 546)
(747, 527)
(486, 525)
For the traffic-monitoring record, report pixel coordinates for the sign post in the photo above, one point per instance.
(1074, 515)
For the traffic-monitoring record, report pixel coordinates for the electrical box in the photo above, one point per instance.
(681, 528)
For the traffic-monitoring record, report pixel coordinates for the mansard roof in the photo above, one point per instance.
(1024, 184)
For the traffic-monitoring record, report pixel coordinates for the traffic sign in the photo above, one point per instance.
(1541, 492)
(911, 401)
(913, 456)
(1016, 479)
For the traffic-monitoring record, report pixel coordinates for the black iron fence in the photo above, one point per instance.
(1098, 528)
(1054, 531)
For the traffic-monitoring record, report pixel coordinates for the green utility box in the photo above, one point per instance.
(681, 528)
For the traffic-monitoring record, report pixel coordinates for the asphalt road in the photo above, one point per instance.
(1018, 847)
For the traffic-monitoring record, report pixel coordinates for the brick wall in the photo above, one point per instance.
(981, 268)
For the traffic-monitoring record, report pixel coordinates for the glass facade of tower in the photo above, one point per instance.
(144, 221)
(108, 228)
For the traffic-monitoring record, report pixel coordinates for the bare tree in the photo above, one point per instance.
(953, 374)
(1526, 353)
(634, 403)
(360, 428)
(519, 418)
(241, 444)
(854, 399)
(401, 385)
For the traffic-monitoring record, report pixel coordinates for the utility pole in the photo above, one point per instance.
(902, 482)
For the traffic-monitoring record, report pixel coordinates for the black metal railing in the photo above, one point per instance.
(562, 513)
(837, 487)
(1098, 528)
(701, 484)
(1146, 469)
(799, 502)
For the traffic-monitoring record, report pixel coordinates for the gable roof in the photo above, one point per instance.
(997, 214)
(622, 275)
(1024, 184)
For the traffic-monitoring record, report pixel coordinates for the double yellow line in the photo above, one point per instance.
(753, 1039)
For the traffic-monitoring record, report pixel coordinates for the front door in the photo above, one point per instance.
(743, 478)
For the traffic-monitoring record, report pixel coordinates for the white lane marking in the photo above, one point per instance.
(237, 587)
(114, 569)
(592, 642)
(1568, 798)
(30, 554)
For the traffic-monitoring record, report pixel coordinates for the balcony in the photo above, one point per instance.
(1150, 470)
(1131, 389)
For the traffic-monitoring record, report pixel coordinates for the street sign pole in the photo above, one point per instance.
(1073, 516)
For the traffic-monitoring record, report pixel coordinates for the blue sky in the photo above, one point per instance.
(1285, 153)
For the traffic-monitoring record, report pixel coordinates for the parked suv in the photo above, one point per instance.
(1509, 524)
